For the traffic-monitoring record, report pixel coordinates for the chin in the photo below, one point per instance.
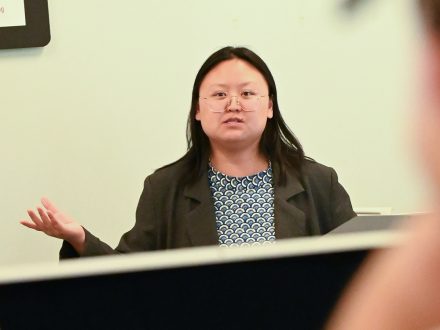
(233, 138)
(237, 142)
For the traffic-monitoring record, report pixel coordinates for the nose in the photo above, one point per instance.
(234, 104)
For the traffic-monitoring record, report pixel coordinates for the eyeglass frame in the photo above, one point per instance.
(230, 102)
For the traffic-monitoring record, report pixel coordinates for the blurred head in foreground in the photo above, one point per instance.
(399, 287)
(428, 112)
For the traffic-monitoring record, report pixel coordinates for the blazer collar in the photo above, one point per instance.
(290, 221)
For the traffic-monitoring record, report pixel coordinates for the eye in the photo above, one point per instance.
(248, 94)
(219, 95)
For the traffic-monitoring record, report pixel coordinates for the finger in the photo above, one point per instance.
(49, 205)
(44, 218)
(53, 220)
(29, 225)
(35, 218)
(57, 226)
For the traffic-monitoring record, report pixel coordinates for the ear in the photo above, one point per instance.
(198, 113)
(270, 109)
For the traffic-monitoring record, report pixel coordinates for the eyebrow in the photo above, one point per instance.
(225, 85)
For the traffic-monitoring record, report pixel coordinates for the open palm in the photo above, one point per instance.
(53, 222)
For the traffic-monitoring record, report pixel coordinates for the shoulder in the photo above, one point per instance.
(319, 178)
(316, 172)
(167, 175)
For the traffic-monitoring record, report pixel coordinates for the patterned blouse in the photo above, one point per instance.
(244, 207)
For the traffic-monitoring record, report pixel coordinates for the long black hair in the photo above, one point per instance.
(277, 142)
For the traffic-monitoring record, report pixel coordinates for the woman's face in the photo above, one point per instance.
(234, 105)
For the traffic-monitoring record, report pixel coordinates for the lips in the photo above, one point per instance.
(233, 120)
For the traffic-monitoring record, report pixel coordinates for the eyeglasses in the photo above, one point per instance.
(248, 100)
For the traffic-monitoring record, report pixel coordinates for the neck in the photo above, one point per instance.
(243, 163)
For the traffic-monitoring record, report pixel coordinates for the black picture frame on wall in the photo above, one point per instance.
(36, 32)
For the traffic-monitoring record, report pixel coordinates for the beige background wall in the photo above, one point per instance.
(86, 118)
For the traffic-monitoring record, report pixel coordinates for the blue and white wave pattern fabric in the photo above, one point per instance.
(244, 207)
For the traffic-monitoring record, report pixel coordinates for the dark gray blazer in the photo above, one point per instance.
(170, 215)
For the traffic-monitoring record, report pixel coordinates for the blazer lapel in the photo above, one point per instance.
(290, 221)
(200, 218)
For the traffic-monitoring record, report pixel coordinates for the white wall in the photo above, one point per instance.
(86, 118)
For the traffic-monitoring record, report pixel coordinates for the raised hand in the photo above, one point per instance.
(56, 224)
